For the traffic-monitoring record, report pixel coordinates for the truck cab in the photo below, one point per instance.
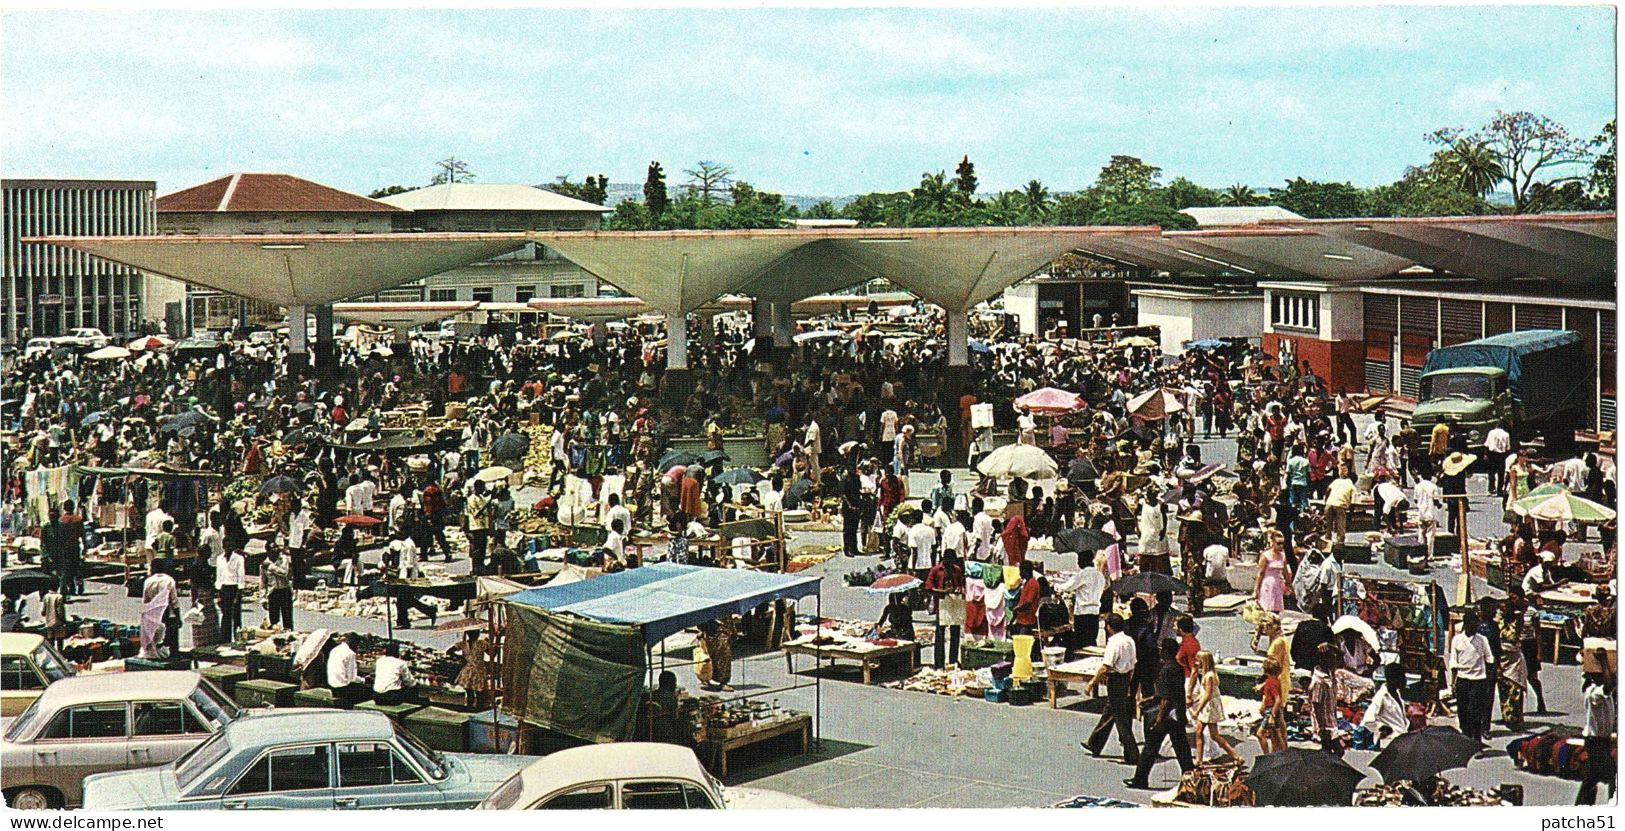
(1471, 400)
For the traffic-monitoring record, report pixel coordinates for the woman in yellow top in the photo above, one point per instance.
(1279, 651)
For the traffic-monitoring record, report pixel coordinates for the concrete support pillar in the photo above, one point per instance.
(781, 325)
(598, 333)
(761, 317)
(298, 346)
(676, 342)
(958, 338)
(326, 350)
(708, 328)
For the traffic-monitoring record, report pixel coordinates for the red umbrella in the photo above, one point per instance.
(1050, 400)
(893, 583)
(360, 520)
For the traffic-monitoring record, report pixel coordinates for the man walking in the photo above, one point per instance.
(228, 586)
(1168, 719)
(1117, 670)
(276, 577)
(1471, 663)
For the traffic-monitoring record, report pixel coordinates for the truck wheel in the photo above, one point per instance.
(29, 799)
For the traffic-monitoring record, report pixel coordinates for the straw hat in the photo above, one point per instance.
(1457, 462)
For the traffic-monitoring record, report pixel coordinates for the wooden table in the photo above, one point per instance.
(867, 658)
(721, 747)
(1057, 675)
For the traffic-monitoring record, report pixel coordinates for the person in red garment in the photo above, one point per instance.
(1015, 540)
(1026, 620)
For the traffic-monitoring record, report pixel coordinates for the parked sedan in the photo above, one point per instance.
(631, 776)
(88, 724)
(27, 666)
(315, 759)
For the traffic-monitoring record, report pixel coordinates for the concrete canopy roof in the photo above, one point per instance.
(402, 315)
(1294, 252)
(480, 196)
(679, 271)
(1571, 248)
(296, 269)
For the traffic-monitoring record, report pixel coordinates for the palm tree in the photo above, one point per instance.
(1239, 196)
(1037, 199)
(934, 191)
(1474, 166)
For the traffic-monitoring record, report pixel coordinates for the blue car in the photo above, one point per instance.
(310, 761)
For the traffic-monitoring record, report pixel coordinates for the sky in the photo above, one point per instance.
(812, 102)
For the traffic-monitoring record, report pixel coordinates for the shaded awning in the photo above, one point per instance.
(402, 315)
(667, 598)
(296, 269)
(1571, 248)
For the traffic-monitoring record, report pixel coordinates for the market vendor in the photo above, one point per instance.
(393, 682)
(1600, 618)
(897, 619)
(343, 678)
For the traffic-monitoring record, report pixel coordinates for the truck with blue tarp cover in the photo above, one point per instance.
(1531, 383)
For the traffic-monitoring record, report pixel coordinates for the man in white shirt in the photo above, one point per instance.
(392, 680)
(955, 536)
(398, 506)
(299, 525)
(1470, 663)
(342, 676)
(406, 555)
(1600, 720)
(1497, 446)
(228, 584)
(1086, 586)
(617, 511)
(981, 532)
(1386, 715)
(1117, 670)
(210, 541)
(155, 523)
(358, 496)
(1429, 507)
(1537, 579)
(922, 544)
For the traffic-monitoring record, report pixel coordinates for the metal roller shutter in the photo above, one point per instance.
(1461, 320)
(1379, 376)
(1419, 315)
(1609, 412)
(1539, 317)
(1409, 380)
(1381, 312)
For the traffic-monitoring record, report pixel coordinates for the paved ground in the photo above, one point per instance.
(889, 748)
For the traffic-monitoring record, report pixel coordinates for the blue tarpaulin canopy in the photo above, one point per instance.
(667, 598)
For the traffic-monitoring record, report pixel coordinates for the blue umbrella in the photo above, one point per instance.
(1208, 343)
(739, 476)
(93, 418)
(978, 346)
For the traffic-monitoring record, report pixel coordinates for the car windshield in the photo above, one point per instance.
(50, 663)
(431, 761)
(214, 706)
(506, 794)
(1456, 386)
(198, 760)
(19, 726)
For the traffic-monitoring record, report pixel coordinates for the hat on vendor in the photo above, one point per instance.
(1457, 462)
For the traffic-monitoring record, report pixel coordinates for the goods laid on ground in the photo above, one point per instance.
(1402, 792)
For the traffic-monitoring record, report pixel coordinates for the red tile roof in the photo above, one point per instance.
(268, 193)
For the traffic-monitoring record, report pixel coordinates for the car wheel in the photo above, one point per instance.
(29, 799)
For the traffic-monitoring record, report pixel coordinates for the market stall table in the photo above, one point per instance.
(1072, 672)
(865, 656)
(744, 735)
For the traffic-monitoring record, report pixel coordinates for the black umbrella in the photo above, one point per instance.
(1299, 778)
(1146, 582)
(674, 457)
(190, 418)
(711, 457)
(510, 448)
(27, 581)
(280, 484)
(1081, 540)
(739, 476)
(798, 489)
(1422, 754)
(302, 435)
(1306, 642)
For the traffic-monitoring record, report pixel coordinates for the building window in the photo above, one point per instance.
(523, 294)
(442, 295)
(571, 290)
(484, 294)
(1295, 311)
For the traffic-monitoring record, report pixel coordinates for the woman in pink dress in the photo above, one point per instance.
(1274, 578)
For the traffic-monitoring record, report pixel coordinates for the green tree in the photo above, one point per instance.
(1529, 148)
(1010, 207)
(1125, 180)
(1076, 208)
(1472, 164)
(823, 209)
(594, 190)
(873, 210)
(1182, 193)
(965, 178)
(709, 180)
(934, 192)
(654, 193)
(631, 215)
(1319, 200)
(1144, 213)
(452, 170)
(1239, 196)
(1038, 201)
(391, 191)
(1600, 186)
(1546, 197)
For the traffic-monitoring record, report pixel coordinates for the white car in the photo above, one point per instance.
(85, 336)
(37, 346)
(627, 776)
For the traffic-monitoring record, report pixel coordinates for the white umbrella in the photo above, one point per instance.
(495, 473)
(821, 334)
(109, 353)
(1347, 622)
(310, 647)
(1024, 460)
